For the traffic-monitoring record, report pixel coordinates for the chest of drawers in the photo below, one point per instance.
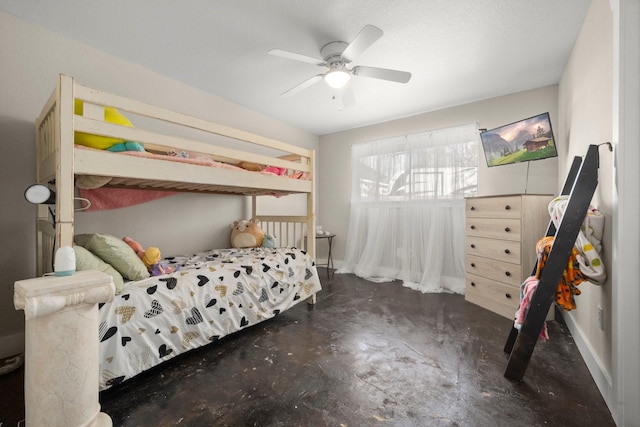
(501, 237)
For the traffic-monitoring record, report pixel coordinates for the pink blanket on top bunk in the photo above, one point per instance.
(105, 198)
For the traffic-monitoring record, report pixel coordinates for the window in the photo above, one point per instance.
(416, 167)
(407, 208)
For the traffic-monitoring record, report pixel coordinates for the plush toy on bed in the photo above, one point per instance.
(246, 234)
(255, 167)
(269, 241)
(154, 263)
(150, 257)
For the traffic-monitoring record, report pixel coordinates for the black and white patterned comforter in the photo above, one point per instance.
(214, 293)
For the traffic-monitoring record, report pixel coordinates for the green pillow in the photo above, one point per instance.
(116, 253)
(85, 260)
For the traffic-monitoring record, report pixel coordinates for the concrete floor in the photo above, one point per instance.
(365, 355)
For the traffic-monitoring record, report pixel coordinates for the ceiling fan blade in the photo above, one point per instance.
(382, 73)
(305, 84)
(348, 98)
(365, 38)
(296, 56)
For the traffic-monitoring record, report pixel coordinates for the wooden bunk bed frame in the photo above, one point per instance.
(59, 162)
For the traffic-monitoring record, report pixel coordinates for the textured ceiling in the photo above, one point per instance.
(458, 51)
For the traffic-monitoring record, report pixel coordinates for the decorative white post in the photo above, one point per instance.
(61, 348)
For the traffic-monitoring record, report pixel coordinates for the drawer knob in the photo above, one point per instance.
(507, 295)
(507, 273)
(473, 264)
(472, 208)
(507, 251)
(473, 227)
(507, 207)
(473, 246)
(473, 283)
(507, 229)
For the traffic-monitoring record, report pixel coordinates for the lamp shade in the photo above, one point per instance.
(40, 194)
(337, 78)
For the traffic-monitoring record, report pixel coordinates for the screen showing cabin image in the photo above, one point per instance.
(522, 141)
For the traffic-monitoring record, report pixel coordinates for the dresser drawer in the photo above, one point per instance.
(504, 229)
(504, 272)
(501, 250)
(507, 295)
(494, 207)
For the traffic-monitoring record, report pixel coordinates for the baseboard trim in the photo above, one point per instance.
(10, 345)
(600, 376)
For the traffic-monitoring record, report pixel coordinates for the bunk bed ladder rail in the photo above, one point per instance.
(580, 185)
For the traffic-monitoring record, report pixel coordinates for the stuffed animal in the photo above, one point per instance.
(246, 234)
(154, 263)
(126, 146)
(275, 170)
(150, 257)
(255, 167)
(269, 241)
(137, 247)
(250, 166)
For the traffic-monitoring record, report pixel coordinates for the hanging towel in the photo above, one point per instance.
(571, 276)
(527, 289)
(588, 242)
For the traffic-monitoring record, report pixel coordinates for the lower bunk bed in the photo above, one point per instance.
(210, 295)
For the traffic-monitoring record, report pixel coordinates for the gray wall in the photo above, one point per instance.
(32, 57)
(585, 114)
(335, 154)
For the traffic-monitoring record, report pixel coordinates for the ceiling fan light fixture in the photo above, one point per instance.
(337, 78)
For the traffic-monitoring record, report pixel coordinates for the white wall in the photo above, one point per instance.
(335, 154)
(599, 98)
(585, 113)
(626, 227)
(32, 57)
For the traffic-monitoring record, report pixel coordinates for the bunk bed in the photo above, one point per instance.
(212, 293)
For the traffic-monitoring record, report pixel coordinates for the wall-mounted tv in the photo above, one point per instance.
(522, 141)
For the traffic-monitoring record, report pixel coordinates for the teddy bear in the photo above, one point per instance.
(246, 234)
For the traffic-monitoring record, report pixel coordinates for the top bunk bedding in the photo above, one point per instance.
(164, 131)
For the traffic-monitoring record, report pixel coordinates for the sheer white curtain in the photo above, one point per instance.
(407, 208)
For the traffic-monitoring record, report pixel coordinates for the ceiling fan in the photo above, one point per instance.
(336, 56)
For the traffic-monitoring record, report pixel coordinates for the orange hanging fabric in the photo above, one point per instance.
(571, 277)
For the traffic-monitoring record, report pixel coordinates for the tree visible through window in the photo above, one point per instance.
(407, 209)
(414, 168)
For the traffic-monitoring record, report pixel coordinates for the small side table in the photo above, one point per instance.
(61, 347)
(329, 263)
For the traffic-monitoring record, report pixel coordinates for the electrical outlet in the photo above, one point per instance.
(600, 317)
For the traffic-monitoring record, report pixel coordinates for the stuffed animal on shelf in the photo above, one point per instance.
(269, 241)
(246, 234)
